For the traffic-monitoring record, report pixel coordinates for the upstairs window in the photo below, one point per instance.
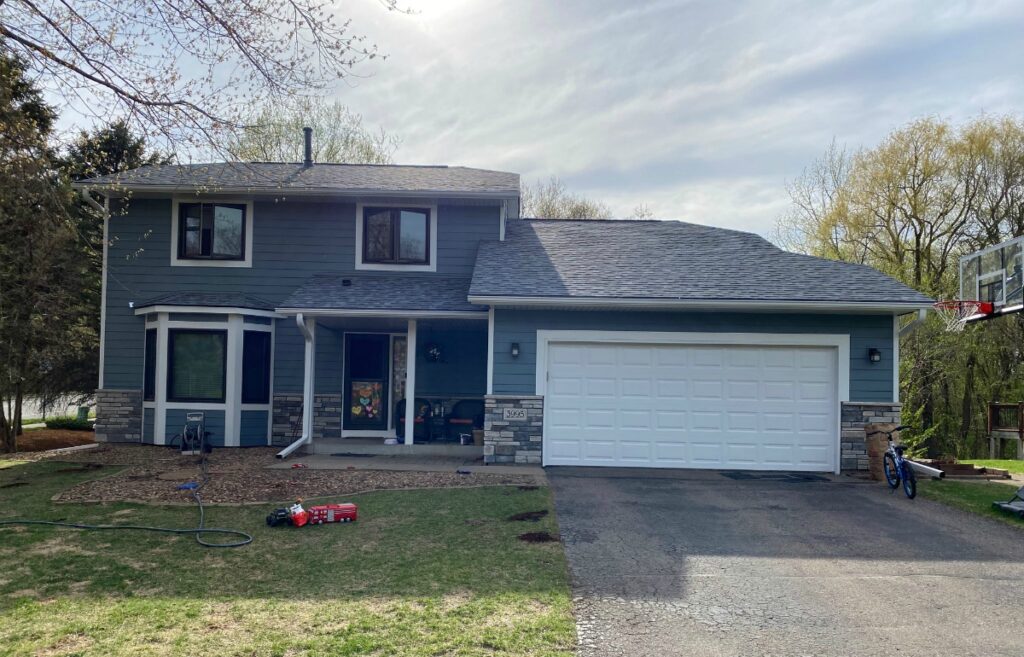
(211, 231)
(396, 236)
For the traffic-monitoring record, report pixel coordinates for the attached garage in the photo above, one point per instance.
(692, 400)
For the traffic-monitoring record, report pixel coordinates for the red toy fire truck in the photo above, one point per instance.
(315, 515)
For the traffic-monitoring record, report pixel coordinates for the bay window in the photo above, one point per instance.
(196, 364)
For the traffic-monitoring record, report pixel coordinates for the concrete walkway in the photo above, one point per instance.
(403, 463)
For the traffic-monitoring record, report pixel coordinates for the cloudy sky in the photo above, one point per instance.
(701, 110)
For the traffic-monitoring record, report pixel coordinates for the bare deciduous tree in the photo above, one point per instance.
(183, 70)
(274, 134)
(551, 200)
(910, 207)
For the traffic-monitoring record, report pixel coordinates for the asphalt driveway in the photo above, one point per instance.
(698, 563)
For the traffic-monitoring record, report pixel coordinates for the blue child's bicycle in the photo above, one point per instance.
(897, 469)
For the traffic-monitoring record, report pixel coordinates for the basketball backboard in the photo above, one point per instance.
(995, 275)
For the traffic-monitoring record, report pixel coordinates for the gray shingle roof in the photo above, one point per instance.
(422, 293)
(667, 260)
(210, 299)
(351, 178)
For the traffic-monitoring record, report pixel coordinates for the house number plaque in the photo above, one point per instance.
(513, 414)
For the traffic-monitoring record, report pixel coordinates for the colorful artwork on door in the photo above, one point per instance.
(366, 399)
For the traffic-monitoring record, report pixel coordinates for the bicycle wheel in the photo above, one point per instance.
(909, 481)
(892, 474)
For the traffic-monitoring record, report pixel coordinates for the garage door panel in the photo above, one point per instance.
(742, 454)
(705, 389)
(742, 421)
(635, 451)
(596, 449)
(670, 420)
(708, 454)
(634, 387)
(705, 406)
(600, 387)
(737, 390)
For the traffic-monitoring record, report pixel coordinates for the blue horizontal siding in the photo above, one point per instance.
(292, 240)
(148, 420)
(868, 381)
(214, 423)
(253, 431)
(462, 370)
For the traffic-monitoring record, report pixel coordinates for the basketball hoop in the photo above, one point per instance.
(955, 313)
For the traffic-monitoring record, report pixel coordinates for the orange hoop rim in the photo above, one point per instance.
(972, 307)
(956, 312)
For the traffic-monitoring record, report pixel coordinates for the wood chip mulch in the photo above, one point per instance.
(240, 476)
(37, 440)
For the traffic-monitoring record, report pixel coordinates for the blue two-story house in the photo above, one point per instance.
(308, 304)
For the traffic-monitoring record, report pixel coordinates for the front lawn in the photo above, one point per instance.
(976, 497)
(427, 572)
(1016, 467)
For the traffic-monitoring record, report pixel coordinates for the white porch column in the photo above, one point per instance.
(232, 386)
(410, 382)
(309, 376)
(160, 392)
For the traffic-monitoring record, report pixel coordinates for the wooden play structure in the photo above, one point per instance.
(1005, 422)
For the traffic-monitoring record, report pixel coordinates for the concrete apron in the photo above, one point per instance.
(403, 463)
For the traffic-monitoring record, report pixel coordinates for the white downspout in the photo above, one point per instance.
(921, 315)
(308, 380)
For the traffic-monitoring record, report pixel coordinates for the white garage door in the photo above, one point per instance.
(691, 406)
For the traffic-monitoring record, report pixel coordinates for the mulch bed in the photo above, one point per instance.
(240, 476)
(38, 440)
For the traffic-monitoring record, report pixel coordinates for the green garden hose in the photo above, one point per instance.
(198, 532)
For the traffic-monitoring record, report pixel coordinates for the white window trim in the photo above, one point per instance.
(204, 262)
(232, 405)
(208, 310)
(841, 343)
(896, 359)
(373, 266)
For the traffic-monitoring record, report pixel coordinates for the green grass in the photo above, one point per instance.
(975, 497)
(432, 572)
(1016, 467)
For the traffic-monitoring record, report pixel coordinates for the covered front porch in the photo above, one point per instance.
(380, 380)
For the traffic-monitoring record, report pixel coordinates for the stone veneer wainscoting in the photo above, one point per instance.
(118, 416)
(855, 415)
(287, 422)
(513, 440)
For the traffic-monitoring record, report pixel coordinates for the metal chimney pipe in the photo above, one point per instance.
(308, 138)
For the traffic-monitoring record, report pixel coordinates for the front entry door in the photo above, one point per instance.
(366, 381)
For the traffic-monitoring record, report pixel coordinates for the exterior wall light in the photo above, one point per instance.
(515, 350)
(874, 355)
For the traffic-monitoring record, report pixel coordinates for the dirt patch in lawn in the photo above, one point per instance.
(528, 516)
(240, 476)
(537, 537)
(38, 440)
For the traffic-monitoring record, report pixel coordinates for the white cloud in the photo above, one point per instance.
(701, 109)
